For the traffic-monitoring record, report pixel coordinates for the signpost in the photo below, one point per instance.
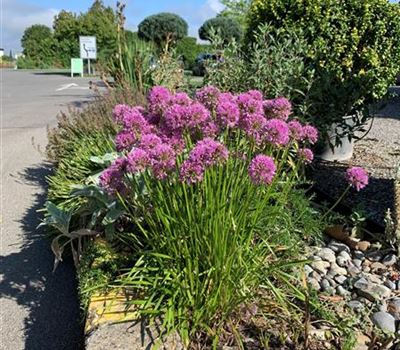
(88, 49)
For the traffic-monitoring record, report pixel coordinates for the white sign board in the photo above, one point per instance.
(88, 48)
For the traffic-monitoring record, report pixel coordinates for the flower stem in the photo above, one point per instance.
(336, 203)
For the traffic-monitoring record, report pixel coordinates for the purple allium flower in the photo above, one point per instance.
(210, 129)
(135, 122)
(208, 152)
(149, 141)
(310, 134)
(278, 108)
(254, 125)
(276, 132)
(255, 94)
(159, 98)
(296, 130)
(181, 98)
(248, 104)
(262, 170)
(191, 172)
(196, 116)
(357, 177)
(119, 112)
(125, 140)
(174, 118)
(111, 179)
(175, 140)
(138, 160)
(306, 155)
(163, 160)
(227, 110)
(208, 96)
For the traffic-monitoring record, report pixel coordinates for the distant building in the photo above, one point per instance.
(1, 52)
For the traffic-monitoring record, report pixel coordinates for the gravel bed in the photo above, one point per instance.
(379, 153)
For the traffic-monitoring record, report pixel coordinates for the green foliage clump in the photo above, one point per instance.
(188, 49)
(38, 46)
(228, 28)
(162, 27)
(353, 46)
(273, 64)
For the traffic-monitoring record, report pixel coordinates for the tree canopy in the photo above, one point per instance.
(38, 44)
(227, 27)
(163, 26)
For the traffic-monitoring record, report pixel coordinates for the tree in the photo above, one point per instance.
(163, 26)
(38, 44)
(67, 28)
(101, 21)
(236, 9)
(227, 27)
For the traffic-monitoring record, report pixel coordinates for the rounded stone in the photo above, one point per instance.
(341, 291)
(375, 256)
(390, 284)
(308, 269)
(325, 284)
(357, 263)
(358, 254)
(394, 308)
(327, 254)
(313, 283)
(384, 321)
(389, 260)
(353, 271)
(338, 247)
(342, 261)
(320, 266)
(340, 279)
(356, 305)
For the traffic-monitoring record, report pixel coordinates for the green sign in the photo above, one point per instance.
(76, 66)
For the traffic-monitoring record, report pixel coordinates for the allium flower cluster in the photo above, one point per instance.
(111, 179)
(137, 161)
(296, 130)
(163, 160)
(357, 177)
(206, 153)
(278, 108)
(306, 155)
(310, 134)
(159, 98)
(208, 96)
(250, 102)
(262, 170)
(227, 111)
(276, 132)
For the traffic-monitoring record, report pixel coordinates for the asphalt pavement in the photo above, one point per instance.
(39, 310)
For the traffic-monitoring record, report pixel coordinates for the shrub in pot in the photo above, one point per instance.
(353, 46)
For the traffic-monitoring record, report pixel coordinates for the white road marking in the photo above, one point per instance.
(72, 86)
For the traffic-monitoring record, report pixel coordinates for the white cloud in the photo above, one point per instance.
(17, 16)
(215, 6)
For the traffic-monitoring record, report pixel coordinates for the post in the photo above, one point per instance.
(88, 66)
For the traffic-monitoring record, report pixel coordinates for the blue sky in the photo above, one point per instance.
(19, 14)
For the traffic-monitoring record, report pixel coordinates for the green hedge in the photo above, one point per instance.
(353, 45)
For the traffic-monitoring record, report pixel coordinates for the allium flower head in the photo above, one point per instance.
(254, 125)
(278, 108)
(159, 98)
(119, 112)
(227, 111)
(208, 96)
(134, 120)
(255, 94)
(306, 155)
(163, 160)
(174, 118)
(248, 104)
(208, 152)
(149, 141)
(196, 116)
(262, 170)
(191, 172)
(181, 98)
(310, 134)
(276, 132)
(296, 130)
(357, 177)
(125, 140)
(137, 161)
(111, 179)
